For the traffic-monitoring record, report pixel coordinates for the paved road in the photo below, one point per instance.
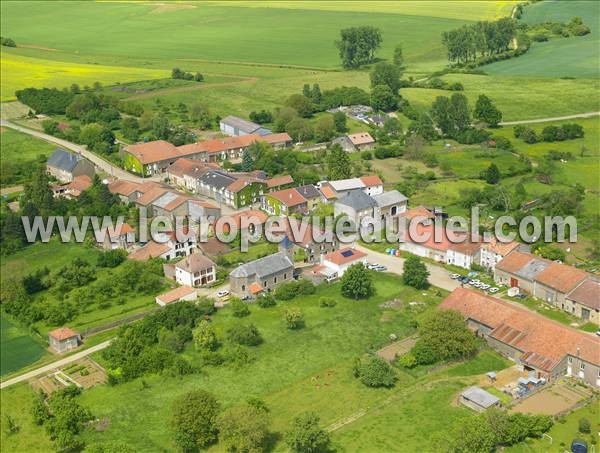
(54, 365)
(556, 118)
(438, 276)
(104, 165)
(13, 189)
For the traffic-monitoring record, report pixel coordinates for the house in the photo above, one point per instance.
(419, 214)
(171, 204)
(65, 166)
(312, 241)
(362, 141)
(478, 399)
(279, 182)
(122, 238)
(195, 270)
(284, 202)
(246, 221)
(537, 344)
(494, 251)
(227, 148)
(584, 300)
(235, 126)
(312, 196)
(459, 248)
(149, 158)
(345, 143)
(335, 263)
(170, 245)
(357, 205)
(277, 141)
(235, 190)
(389, 204)
(184, 172)
(146, 199)
(263, 274)
(373, 185)
(127, 191)
(541, 278)
(328, 193)
(200, 210)
(77, 186)
(63, 339)
(176, 295)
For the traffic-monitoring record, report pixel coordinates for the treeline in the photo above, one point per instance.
(569, 131)
(483, 38)
(177, 73)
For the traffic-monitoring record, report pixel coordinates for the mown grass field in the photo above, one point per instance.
(574, 56)
(292, 371)
(17, 347)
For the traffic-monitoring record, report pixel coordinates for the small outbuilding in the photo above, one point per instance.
(63, 339)
(478, 399)
(176, 295)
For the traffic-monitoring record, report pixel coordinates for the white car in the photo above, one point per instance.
(373, 266)
(472, 282)
(380, 268)
(454, 276)
(222, 293)
(494, 290)
(484, 286)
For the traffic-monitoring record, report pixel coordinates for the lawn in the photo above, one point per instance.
(17, 347)
(20, 154)
(574, 56)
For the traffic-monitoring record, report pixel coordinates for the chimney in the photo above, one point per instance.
(578, 352)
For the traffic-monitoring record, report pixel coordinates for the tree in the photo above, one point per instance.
(324, 128)
(247, 335)
(299, 129)
(357, 282)
(97, 137)
(338, 163)
(472, 436)
(130, 128)
(386, 74)
(7, 42)
(373, 371)
(398, 58)
(244, 429)
(444, 335)
(382, 98)
(293, 318)
(357, 45)
(339, 120)
(300, 104)
(423, 126)
(459, 112)
(415, 273)
(306, 436)
(492, 174)
(585, 426)
(239, 309)
(201, 115)
(266, 300)
(247, 161)
(194, 420)
(205, 336)
(392, 126)
(486, 111)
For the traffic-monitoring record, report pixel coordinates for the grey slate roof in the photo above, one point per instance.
(480, 397)
(63, 160)
(532, 268)
(217, 179)
(389, 198)
(358, 200)
(165, 199)
(309, 191)
(263, 267)
(241, 124)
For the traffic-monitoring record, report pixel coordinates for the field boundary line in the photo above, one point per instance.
(549, 119)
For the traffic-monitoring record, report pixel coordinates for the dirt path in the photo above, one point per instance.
(556, 118)
(9, 190)
(54, 365)
(185, 89)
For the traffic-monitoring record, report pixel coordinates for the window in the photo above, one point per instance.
(243, 287)
(582, 366)
(275, 280)
(570, 359)
(265, 283)
(284, 276)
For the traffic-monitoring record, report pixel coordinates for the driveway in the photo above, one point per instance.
(556, 118)
(54, 365)
(438, 276)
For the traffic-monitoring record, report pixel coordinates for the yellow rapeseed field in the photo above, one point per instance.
(19, 72)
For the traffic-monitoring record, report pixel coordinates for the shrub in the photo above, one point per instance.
(266, 300)
(293, 318)
(247, 335)
(585, 426)
(112, 258)
(306, 436)
(194, 420)
(357, 282)
(407, 360)
(239, 309)
(243, 429)
(366, 155)
(373, 371)
(287, 291)
(327, 302)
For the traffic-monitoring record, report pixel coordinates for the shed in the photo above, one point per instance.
(63, 339)
(478, 399)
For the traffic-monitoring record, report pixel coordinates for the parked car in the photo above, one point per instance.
(222, 293)
(372, 266)
(454, 276)
(484, 286)
(464, 279)
(494, 290)
(520, 296)
(472, 282)
(381, 268)
(246, 298)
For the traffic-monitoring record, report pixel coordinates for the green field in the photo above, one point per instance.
(574, 56)
(17, 347)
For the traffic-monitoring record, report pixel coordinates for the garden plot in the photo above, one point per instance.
(84, 373)
(553, 400)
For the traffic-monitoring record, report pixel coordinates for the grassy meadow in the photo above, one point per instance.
(17, 347)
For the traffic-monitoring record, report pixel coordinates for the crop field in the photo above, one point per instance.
(574, 56)
(18, 146)
(17, 347)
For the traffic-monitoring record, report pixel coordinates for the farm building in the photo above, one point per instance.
(176, 295)
(362, 141)
(63, 339)
(541, 346)
(389, 204)
(195, 270)
(584, 300)
(284, 202)
(65, 166)
(478, 399)
(279, 182)
(150, 157)
(263, 274)
(235, 126)
(335, 263)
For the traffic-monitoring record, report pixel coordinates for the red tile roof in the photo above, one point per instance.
(151, 152)
(63, 333)
(546, 341)
(185, 166)
(79, 184)
(371, 180)
(176, 202)
(255, 288)
(419, 211)
(587, 293)
(275, 139)
(344, 256)
(239, 184)
(561, 277)
(328, 192)
(176, 294)
(122, 187)
(499, 247)
(150, 250)
(439, 239)
(279, 181)
(289, 197)
(195, 262)
(151, 195)
(361, 138)
(125, 229)
(515, 261)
